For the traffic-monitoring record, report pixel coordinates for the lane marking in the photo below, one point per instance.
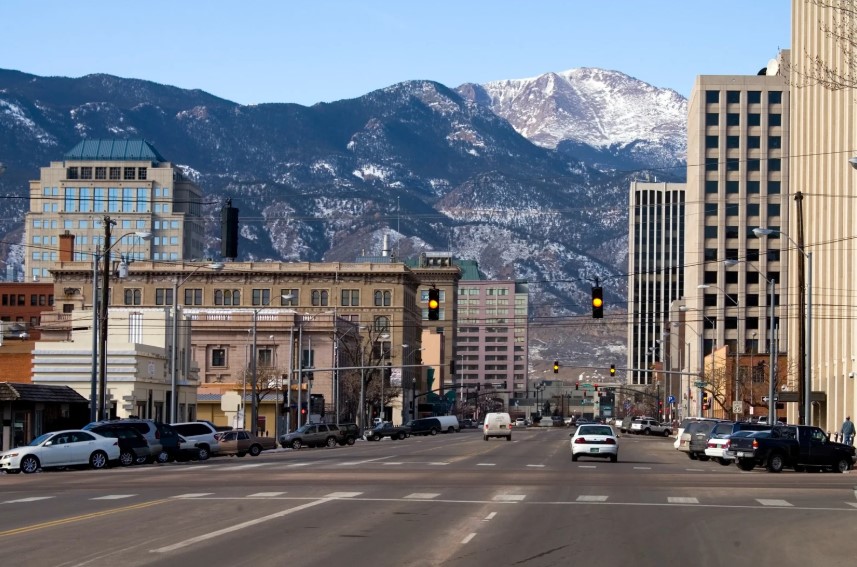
(388, 464)
(300, 464)
(241, 526)
(682, 500)
(31, 499)
(266, 495)
(509, 497)
(114, 497)
(468, 538)
(334, 495)
(486, 464)
(73, 519)
(536, 466)
(642, 468)
(591, 498)
(193, 495)
(243, 467)
(489, 516)
(852, 504)
(423, 495)
(695, 470)
(366, 461)
(586, 466)
(438, 464)
(772, 502)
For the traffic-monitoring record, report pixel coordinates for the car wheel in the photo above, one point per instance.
(775, 463)
(746, 464)
(98, 460)
(842, 465)
(240, 454)
(485, 438)
(127, 458)
(350, 441)
(722, 461)
(376, 437)
(255, 450)
(330, 442)
(29, 464)
(163, 457)
(573, 457)
(296, 444)
(692, 456)
(433, 431)
(204, 453)
(614, 458)
(508, 437)
(647, 431)
(451, 430)
(667, 432)
(142, 460)
(702, 457)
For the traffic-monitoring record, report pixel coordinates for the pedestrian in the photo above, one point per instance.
(847, 431)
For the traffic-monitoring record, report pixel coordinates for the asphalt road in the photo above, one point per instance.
(448, 500)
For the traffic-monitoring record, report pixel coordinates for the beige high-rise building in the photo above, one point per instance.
(128, 181)
(823, 139)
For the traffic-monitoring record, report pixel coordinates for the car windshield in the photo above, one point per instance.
(40, 439)
(595, 430)
(305, 428)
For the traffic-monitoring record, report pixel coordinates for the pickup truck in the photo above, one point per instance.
(386, 429)
(794, 446)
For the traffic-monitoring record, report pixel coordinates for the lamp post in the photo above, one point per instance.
(215, 266)
(737, 336)
(772, 373)
(104, 309)
(805, 332)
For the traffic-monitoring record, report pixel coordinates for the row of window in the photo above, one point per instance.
(734, 97)
(20, 300)
(488, 291)
(734, 164)
(734, 119)
(752, 187)
(732, 209)
(259, 297)
(101, 199)
(112, 173)
(732, 231)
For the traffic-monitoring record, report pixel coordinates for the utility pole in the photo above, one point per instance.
(801, 320)
(105, 296)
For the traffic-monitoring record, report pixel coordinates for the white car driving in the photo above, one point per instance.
(594, 440)
(61, 449)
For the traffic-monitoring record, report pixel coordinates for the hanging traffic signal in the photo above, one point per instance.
(612, 370)
(706, 402)
(597, 303)
(577, 386)
(596, 387)
(556, 367)
(434, 304)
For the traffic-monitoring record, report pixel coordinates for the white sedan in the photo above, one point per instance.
(61, 449)
(594, 440)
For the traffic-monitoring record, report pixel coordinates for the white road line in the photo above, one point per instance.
(243, 467)
(489, 516)
(586, 466)
(31, 499)
(642, 468)
(301, 464)
(536, 466)
(695, 470)
(486, 464)
(388, 464)
(852, 504)
(468, 538)
(194, 495)
(114, 497)
(343, 495)
(439, 464)
(241, 526)
(422, 495)
(509, 497)
(591, 498)
(266, 495)
(682, 500)
(772, 502)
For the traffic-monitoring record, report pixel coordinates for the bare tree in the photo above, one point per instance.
(365, 355)
(841, 27)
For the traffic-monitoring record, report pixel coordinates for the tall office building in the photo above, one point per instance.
(737, 180)
(128, 181)
(656, 271)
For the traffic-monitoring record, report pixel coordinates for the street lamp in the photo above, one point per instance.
(805, 334)
(215, 266)
(772, 376)
(737, 335)
(105, 296)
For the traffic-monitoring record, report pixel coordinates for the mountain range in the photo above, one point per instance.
(530, 177)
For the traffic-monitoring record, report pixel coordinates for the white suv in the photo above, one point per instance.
(201, 432)
(650, 427)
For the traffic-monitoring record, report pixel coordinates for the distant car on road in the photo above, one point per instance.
(239, 442)
(520, 422)
(386, 429)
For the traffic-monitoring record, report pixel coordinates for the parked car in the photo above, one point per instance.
(594, 440)
(163, 440)
(648, 426)
(204, 433)
(700, 431)
(449, 424)
(61, 449)
(348, 433)
(386, 429)
(794, 446)
(240, 442)
(189, 450)
(423, 426)
(718, 441)
(133, 447)
(311, 435)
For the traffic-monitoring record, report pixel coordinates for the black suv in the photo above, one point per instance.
(163, 440)
(133, 447)
(424, 426)
(348, 433)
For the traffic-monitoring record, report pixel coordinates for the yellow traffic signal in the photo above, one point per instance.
(434, 304)
(612, 370)
(556, 367)
(597, 303)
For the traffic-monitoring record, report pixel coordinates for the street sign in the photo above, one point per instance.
(766, 398)
(671, 400)
(738, 406)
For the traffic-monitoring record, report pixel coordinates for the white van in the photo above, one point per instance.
(449, 423)
(497, 425)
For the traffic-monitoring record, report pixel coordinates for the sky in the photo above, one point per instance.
(309, 51)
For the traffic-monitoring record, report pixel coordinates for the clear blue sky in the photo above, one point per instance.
(308, 51)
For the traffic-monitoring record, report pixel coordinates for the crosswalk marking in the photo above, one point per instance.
(266, 495)
(682, 500)
(591, 498)
(343, 494)
(114, 497)
(31, 499)
(772, 502)
(468, 538)
(194, 495)
(509, 497)
(423, 495)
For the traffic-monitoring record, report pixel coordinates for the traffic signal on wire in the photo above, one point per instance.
(434, 304)
(597, 303)
(556, 367)
(612, 370)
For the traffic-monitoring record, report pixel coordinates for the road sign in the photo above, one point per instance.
(737, 406)
(671, 400)
(766, 398)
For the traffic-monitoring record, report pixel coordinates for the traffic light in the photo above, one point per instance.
(706, 401)
(452, 367)
(597, 303)
(556, 367)
(434, 304)
(229, 230)
(596, 387)
(577, 385)
(612, 370)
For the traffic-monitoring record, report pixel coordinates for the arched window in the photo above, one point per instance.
(382, 324)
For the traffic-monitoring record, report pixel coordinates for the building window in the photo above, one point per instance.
(775, 97)
(732, 188)
(753, 187)
(164, 296)
(261, 297)
(754, 97)
(733, 97)
(775, 120)
(712, 97)
(383, 298)
(733, 142)
(711, 164)
(712, 142)
(350, 298)
(227, 297)
(133, 296)
(775, 142)
(101, 173)
(71, 173)
(292, 295)
(218, 357)
(712, 119)
(382, 324)
(733, 119)
(86, 173)
(266, 357)
(193, 296)
(711, 187)
(753, 164)
(129, 173)
(114, 173)
(774, 164)
(141, 173)
(320, 297)
(754, 119)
